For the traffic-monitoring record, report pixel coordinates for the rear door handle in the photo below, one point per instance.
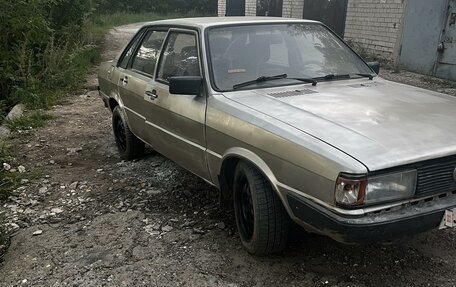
(152, 94)
(124, 80)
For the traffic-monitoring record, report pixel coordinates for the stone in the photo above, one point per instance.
(4, 132)
(38, 232)
(16, 112)
(14, 226)
(56, 210)
(21, 169)
(221, 225)
(73, 150)
(73, 185)
(167, 228)
(42, 190)
(6, 166)
(150, 230)
(154, 192)
(198, 231)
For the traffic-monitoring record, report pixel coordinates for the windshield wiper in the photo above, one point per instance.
(259, 80)
(370, 76)
(306, 80)
(329, 77)
(268, 78)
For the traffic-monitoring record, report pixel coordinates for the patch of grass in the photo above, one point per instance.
(33, 120)
(12, 180)
(5, 182)
(3, 235)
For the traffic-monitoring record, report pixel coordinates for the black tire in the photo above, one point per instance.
(260, 216)
(129, 146)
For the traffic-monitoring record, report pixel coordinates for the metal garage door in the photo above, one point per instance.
(235, 8)
(330, 12)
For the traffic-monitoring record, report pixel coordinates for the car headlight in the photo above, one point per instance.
(375, 189)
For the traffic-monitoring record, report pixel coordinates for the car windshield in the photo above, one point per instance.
(300, 50)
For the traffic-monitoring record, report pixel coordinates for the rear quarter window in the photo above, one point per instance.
(129, 50)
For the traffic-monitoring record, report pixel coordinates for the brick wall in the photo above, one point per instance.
(292, 8)
(221, 8)
(250, 7)
(375, 25)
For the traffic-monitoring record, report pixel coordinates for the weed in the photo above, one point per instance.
(361, 51)
(5, 182)
(11, 180)
(33, 120)
(3, 235)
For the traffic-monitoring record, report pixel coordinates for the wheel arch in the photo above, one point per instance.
(229, 162)
(114, 101)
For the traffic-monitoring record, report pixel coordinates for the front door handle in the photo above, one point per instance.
(124, 80)
(152, 94)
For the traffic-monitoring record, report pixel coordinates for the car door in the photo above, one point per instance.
(136, 75)
(109, 77)
(175, 124)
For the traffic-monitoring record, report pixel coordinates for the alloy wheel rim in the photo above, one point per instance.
(120, 134)
(245, 209)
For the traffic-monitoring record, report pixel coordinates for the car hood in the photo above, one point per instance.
(380, 123)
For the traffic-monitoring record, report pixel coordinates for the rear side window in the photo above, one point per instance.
(130, 50)
(147, 55)
(179, 57)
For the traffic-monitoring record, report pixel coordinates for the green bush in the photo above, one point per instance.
(160, 6)
(47, 46)
(41, 43)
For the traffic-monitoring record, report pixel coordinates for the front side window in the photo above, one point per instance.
(301, 50)
(179, 57)
(147, 55)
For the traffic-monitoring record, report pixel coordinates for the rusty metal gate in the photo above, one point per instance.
(235, 8)
(330, 12)
(269, 8)
(429, 38)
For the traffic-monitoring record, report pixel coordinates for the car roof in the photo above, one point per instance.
(204, 22)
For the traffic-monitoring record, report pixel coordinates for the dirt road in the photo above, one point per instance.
(99, 221)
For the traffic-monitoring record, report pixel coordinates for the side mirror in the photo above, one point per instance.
(375, 66)
(185, 85)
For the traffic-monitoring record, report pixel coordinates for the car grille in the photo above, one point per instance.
(436, 176)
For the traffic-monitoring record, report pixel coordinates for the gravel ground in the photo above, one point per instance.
(95, 220)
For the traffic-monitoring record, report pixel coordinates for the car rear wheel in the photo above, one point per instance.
(260, 216)
(129, 146)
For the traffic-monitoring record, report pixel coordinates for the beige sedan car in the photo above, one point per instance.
(290, 124)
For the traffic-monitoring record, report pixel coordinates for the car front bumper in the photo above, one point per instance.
(373, 227)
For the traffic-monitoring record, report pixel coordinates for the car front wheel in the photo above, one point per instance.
(129, 146)
(260, 216)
